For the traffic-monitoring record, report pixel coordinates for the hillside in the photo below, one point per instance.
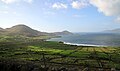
(22, 30)
(63, 33)
(1, 28)
(113, 31)
(27, 31)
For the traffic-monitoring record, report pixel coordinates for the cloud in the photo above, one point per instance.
(4, 12)
(14, 1)
(9, 1)
(59, 6)
(29, 1)
(80, 4)
(108, 7)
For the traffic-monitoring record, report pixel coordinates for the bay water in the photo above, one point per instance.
(90, 39)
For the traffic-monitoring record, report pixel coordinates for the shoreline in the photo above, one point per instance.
(84, 44)
(68, 43)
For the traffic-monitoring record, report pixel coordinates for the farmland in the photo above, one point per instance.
(41, 55)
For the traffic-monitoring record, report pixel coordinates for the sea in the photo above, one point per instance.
(90, 39)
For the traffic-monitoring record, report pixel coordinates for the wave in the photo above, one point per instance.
(84, 44)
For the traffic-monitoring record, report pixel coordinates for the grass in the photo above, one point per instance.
(60, 54)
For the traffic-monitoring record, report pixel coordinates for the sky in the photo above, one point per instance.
(60, 15)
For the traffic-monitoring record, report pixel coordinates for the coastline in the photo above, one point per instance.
(68, 43)
(84, 44)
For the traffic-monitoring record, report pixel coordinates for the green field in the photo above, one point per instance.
(53, 56)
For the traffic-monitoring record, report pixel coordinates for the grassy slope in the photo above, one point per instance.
(55, 53)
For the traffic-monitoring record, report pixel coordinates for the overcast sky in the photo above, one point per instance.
(59, 15)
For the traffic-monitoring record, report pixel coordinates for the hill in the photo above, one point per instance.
(22, 30)
(1, 28)
(113, 31)
(27, 31)
(63, 33)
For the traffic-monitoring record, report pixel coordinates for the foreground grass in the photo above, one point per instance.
(54, 54)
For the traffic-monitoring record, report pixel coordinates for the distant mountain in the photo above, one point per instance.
(63, 33)
(22, 30)
(113, 31)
